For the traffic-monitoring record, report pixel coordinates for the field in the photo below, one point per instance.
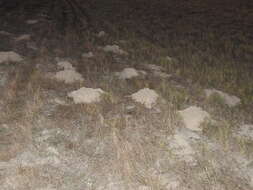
(126, 94)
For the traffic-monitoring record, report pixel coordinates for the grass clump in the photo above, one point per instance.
(221, 132)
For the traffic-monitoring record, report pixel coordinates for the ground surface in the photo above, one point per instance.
(127, 108)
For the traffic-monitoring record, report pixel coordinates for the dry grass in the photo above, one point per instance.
(128, 144)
